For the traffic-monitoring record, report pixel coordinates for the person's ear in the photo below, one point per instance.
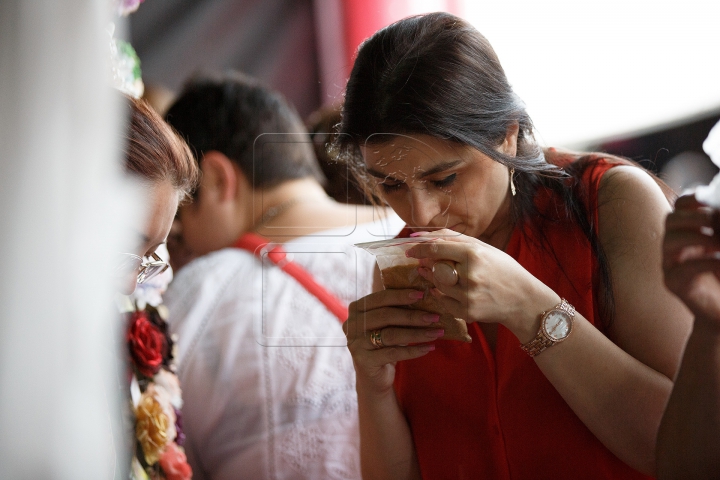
(509, 145)
(220, 178)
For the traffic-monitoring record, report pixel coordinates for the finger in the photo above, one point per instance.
(387, 298)
(457, 291)
(692, 219)
(383, 356)
(440, 250)
(680, 246)
(401, 317)
(442, 233)
(679, 277)
(439, 301)
(396, 336)
(687, 201)
(358, 326)
(675, 240)
(690, 254)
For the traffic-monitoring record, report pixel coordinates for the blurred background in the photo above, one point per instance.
(637, 78)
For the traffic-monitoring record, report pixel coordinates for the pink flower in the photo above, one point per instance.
(126, 7)
(174, 463)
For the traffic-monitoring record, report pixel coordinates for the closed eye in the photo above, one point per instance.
(391, 187)
(445, 182)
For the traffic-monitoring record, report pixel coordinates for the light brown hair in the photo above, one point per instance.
(154, 152)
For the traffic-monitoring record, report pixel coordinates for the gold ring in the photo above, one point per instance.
(446, 273)
(376, 338)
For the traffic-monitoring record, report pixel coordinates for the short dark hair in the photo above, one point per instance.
(155, 153)
(235, 114)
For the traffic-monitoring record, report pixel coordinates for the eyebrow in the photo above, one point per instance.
(436, 169)
(441, 167)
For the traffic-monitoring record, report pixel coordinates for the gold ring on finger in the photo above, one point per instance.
(376, 338)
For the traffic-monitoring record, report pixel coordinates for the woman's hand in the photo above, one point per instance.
(491, 288)
(381, 312)
(691, 258)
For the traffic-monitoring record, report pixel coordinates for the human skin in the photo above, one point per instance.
(227, 206)
(617, 385)
(687, 445)
(162, 200)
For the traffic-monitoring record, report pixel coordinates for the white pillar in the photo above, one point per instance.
(60, 217)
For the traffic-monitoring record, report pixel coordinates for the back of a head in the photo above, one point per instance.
(322, 125)
(248, 123)
(435, 75)
(154, 153)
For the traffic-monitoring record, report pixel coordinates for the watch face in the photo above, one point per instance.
(557, 324)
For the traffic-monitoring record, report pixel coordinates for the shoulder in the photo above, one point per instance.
(650, 324)
(629, 178)
(630, 204)
(204, 277)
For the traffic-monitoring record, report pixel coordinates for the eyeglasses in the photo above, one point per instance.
(146, 269)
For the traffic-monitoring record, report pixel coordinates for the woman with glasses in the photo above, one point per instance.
(162, 162)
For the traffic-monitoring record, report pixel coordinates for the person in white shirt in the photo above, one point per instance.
(268, 383)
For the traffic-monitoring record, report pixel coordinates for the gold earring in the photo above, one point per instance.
(512, 182)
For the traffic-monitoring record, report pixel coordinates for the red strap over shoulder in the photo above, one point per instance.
(257, 245)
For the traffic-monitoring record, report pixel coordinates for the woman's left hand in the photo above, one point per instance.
(491, 286)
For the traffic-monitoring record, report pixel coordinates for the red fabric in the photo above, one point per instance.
(478, 415)
(255, 243)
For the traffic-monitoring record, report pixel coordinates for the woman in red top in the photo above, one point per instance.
(431, 124)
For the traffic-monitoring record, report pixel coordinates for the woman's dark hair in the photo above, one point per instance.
(155, 153)
(248, 123)
(340, 184)
(437, 75)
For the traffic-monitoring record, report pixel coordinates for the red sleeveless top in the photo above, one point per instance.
(475, 414)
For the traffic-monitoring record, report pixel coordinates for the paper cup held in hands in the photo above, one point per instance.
(399, 271)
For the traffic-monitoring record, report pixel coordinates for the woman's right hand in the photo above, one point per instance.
(375, 367)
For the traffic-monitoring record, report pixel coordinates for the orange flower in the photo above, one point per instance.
(151, 427)
(174, 463)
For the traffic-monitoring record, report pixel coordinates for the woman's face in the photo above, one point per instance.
(162, 199)
(433, 184)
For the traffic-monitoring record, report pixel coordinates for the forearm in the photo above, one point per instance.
(617, 397)
(386, 446)
(688, 444)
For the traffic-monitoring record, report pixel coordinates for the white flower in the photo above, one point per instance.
(164, 399)
(171, 385)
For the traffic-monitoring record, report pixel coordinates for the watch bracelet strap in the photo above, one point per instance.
(537, 345)
(541, 342)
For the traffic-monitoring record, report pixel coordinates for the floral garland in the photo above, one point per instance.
(155, 395)
(156, 398)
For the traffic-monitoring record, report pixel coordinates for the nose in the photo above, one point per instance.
(425, 207)
(127, 284)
